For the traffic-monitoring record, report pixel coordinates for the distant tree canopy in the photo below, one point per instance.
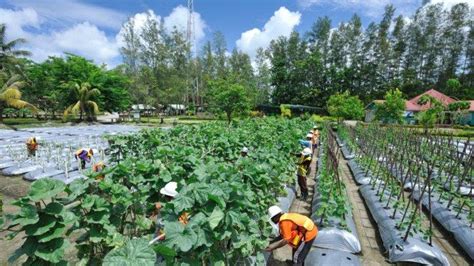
(345, 106)
(228, 97)
(392, 109)
(52, 81)
(431, 49)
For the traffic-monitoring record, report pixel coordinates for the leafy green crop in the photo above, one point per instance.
(225, 195)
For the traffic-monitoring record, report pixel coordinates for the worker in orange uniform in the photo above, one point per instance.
(169, 192)
(99, 167)
(296, 230)
(32, 146)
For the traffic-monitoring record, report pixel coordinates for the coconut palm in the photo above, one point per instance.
(84, 105)
(8, 51)
(10, 94)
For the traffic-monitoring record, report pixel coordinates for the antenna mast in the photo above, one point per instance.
(191, 39)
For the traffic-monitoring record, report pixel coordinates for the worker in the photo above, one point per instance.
(316, 136)
(304, 163)
(32, 146)
(99, 167)
(244, 152)
(296, 230)
(308, 143)
(84, 155)
(169, 192)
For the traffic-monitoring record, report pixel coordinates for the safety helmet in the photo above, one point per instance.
(309, 135)
(245, 150)
(315, 127)
(273, 211)
(170, 189)
(307, 152)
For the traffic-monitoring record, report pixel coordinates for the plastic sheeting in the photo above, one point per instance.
(42, 173)
(414, 249)
(20, 169)
(71, 177)
(346, 153)
(325, 257)
(285, 202)
(458, 227)
(358, 173)
(332, 236)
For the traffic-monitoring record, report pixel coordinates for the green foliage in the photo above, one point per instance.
(285, 111)
(392, 109)
(45, 224)
(344, 106)
(228, 97)
(135, 252)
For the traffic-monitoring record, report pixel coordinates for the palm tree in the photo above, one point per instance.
(84, 92)
(8, 53)
(10, 94)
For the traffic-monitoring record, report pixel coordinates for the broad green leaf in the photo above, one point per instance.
(52, 251)
(56, 232)
(28, 215)
(135, 252)
(216, 216)
(183, 202)
(45, 188)
(164, 250)
(217, 200)
(45, 223)
(54, 208)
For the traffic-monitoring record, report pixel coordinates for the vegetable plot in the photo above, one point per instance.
(226, 197)
(392, 160)
(331, 209)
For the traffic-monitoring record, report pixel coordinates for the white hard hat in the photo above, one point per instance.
(315, 127)
(309, 135)
(273, 211)
(170, 189)
(245, 150)
(307, 151)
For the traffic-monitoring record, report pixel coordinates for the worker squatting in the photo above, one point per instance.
(295, 230)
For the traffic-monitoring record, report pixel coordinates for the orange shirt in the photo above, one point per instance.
(289, 230)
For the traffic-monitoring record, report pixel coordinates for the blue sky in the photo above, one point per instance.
(91, 28)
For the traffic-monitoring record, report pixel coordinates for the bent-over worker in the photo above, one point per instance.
(296, 230)
(98, 167)
(169, 192)
(84, 155)
(32, 146)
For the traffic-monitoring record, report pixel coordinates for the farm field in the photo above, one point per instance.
(98, 221)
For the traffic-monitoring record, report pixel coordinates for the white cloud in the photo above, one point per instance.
(281, 23)
(68, 12)
(16, 20)
(179, 19)
(47, 37)
(138, 21)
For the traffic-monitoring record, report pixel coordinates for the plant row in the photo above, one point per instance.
(112, 221)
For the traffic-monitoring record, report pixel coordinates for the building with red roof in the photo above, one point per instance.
(412, 107)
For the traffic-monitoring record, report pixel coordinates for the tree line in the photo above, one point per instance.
(413, 54)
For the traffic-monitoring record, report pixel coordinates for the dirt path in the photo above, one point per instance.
(372, 247)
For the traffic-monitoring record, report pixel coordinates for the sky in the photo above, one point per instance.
(92, 28)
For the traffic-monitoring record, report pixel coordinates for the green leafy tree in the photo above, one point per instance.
(391, 110)
(345, 106)
(8, 51)
(433, 114)
(84, 105)
(459, 109)
(10, 93)
(227, 97)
